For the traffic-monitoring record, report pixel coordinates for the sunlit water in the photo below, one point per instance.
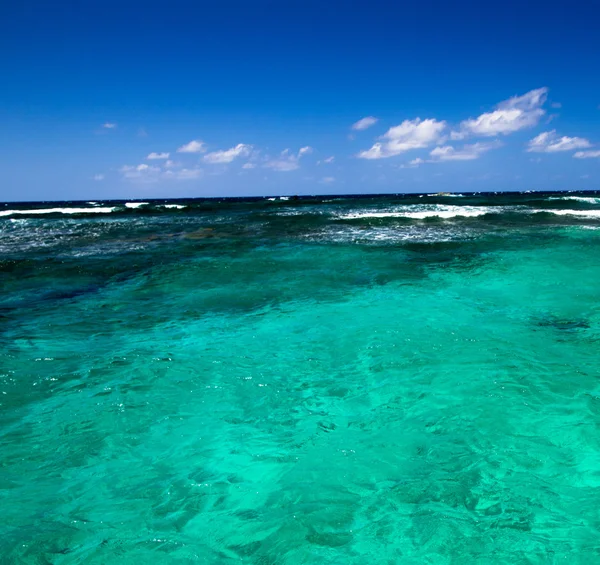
(329, 381)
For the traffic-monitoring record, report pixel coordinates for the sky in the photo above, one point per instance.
(176, 99)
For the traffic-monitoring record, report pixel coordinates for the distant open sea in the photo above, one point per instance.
(324, 380)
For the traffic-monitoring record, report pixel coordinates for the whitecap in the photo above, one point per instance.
(135, 204)
(582, 213)
(444, 212)
(175, 206)
(588, 199)
(58, 211)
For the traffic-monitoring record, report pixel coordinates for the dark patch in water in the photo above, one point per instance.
(564, 325)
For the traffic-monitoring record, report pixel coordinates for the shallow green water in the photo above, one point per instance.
(281, 382)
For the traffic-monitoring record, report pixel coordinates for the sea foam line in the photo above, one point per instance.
(58, 211)
(582, 213)
(442, 212)
(588, 199)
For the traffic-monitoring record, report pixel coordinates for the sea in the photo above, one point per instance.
(395, 379)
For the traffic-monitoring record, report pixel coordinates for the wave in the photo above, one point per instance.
(135, 204)
(104, 210)
(582, 213)
(174, 206)
(444, 212)
(587, 199)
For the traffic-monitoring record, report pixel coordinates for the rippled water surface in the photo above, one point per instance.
(325, 380)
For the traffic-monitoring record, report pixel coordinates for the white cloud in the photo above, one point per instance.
(327, 161)
(98, 177)
(149, 173)
(410, 134)
(109, 125)
(514, 114)
(228, 155)
(171, 164)
(248, 166)
(287, 161)
(184, 174)
(466, 153)
(412, 164)
(550, 142)
(587, 154)
(327, 180)
(556, 105)
(364, 123)
(158, 156)
(195, 146)
(140, 173)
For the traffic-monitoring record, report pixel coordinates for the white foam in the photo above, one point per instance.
(135, 204)
(58, 211)
(588, 199)
(176, 206)
(284, 198)
(444, 212)
(582, 213)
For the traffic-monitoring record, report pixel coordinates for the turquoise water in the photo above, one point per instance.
(330, 381)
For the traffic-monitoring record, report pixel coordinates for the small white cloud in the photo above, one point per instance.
(184, 174)
(587, 154)
(413, 164)
(327, 180)
(585, 176)
(228, 155)
(140, 173)
(514, 114)
(158, 156)
(171, 164)
(195, 146)
(248, 166)
(458, 135)
(109, 125)
(98, 177)
(287, 161)
(467, 153)
(556, 105)
(410, 134)
(550, 142)
(364, 123)
(149, 173)
(327, 161)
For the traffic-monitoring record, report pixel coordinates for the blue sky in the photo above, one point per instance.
(265, 97)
